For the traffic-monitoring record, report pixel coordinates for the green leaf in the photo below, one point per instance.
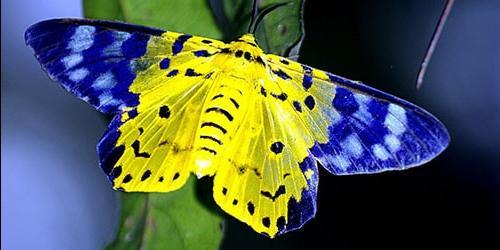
(187, 16)
(175, 220)
(280, 32)
(98, 9)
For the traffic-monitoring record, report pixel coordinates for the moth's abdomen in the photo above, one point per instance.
(220, 116)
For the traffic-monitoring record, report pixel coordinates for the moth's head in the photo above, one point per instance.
(245, 47)
(248, 39)
(246, 42)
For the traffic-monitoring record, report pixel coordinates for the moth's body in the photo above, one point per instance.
(233, 89)
(257, 122)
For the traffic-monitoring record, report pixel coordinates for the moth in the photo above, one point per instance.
(260, 124)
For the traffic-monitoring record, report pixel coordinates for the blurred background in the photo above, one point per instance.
(54, 195)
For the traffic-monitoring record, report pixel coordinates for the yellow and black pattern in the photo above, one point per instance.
(258, 123)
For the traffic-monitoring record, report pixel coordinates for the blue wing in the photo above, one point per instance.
(367, 130)
(95, 60)
(375, 132)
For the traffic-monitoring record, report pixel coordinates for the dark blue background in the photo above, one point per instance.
(54, 196)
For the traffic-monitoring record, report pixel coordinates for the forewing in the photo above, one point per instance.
(99, 60)
(358, 129)
(154, 82)
(150, 150)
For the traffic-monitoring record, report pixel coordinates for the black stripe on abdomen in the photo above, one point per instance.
(220, 111)
(209, 150)
(215, 125)
(211, 138)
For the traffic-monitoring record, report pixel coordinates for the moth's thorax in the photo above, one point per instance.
(242, 53)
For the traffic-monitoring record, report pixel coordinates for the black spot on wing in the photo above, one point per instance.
(172, 73)
(224, 191)
(282, 74)
(250, 208)
(277, 147)
(238, 53)
(297, 106)
(176, 175)
(281, 222)
(179, 43)
(146, 175)
(266, 222)
(310, 103)
(137, 153)
(165, 63)
(263, 91)
(127, 178)
(201, 53)
(164, 112)
(191, 72)
(115, 173)
(281, 190)
(307, 80)
(132, 113)
(281, 96)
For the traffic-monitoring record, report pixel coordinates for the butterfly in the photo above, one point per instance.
(259, 123)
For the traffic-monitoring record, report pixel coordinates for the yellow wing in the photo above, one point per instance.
(267, 178)
(146, 148)
(303, 115)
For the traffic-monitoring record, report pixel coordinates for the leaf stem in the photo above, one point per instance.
(145, 216)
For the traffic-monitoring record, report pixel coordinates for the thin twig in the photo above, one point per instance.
(432, 45)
